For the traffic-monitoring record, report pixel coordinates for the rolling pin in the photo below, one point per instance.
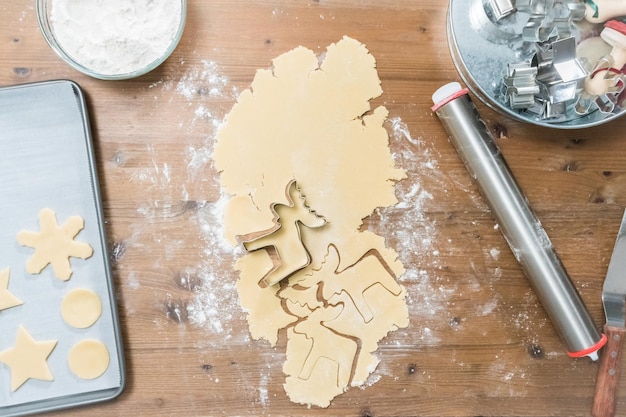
(520, 226)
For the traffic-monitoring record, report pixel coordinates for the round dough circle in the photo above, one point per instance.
(81, 308)
(88, 359)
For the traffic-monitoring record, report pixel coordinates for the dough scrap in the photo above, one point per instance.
(28, 359)
(81, 308)
(54, 245)
(265, 313)
(88, 359)
(7, 299)
(309, 120)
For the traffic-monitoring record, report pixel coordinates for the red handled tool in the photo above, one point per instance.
(613, 299)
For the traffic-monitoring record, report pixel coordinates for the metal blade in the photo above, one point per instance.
(614, 289)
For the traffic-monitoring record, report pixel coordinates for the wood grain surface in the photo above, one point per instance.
(478, 344)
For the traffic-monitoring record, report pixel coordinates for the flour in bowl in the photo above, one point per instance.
(112, 37)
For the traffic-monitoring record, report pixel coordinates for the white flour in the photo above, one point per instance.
(115, 36)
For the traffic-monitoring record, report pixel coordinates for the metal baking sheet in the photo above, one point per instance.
(48, 162)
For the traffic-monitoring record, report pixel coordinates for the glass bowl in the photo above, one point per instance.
(143, 64)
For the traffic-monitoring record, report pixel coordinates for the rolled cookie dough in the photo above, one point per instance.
(81, 308)
(88, 359)
(54, 244)
(309, 119)
(28, 359)
(7, 299)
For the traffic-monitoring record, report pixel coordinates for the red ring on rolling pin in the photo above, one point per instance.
(449, 99)
(590, 350)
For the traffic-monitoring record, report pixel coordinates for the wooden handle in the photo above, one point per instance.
(604, 398)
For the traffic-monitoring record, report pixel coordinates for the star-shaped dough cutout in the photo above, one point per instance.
(54, 245)
(28, 359)
(7, 299)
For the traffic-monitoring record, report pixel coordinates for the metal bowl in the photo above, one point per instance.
(45, 16)
(484, 47)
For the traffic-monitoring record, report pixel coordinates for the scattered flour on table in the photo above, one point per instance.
(205, 80)
(412, 233)
(214, 303)
(263, 392)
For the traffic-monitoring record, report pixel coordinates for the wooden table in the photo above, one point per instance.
(478, 343)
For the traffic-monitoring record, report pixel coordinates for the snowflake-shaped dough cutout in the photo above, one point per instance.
(54, 245)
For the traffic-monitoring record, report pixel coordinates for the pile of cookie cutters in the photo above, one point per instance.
(555, 63)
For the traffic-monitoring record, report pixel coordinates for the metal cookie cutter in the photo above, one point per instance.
(502, 8)
(560, 76)
(520, 85)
